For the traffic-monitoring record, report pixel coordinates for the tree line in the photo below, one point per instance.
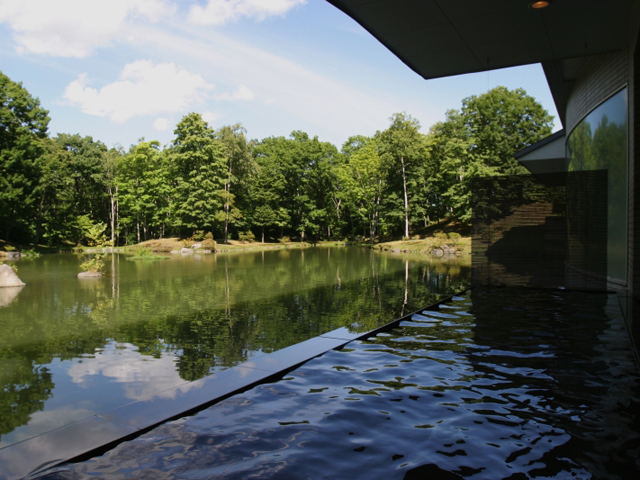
(53, 190)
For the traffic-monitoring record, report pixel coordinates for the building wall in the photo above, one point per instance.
(600, 79)
(601, 93)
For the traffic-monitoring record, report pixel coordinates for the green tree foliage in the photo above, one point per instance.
(220, 183)
(144, 191)
(502, 122)
(87, 171)
(240, 167)
(480, 140)
(23, 128)
(364, 181)
(402, 148)
(200, 170)
(291, 184)
(53, 195)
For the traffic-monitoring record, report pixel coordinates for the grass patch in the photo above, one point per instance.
(145, 253)
(237, 246)
(159, 245)
(425, 245)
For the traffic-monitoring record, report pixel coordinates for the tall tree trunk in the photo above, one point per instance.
(112, 211)
(406, 286)
(227, 203)
(226, 210)
(406, 200)
(117, 213)
(39, 221)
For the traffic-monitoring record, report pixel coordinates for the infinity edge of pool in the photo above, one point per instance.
(102, 431)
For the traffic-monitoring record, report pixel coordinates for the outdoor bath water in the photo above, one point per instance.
(497, 384)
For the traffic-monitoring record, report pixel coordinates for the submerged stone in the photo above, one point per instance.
(7, 295)
(90, 274)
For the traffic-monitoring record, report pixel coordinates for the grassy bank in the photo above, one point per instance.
(426, 245)
(166, 245)
(423, 241)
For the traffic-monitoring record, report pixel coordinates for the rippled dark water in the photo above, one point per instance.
(497, 384)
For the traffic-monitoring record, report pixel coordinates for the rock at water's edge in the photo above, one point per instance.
(90, 274)
(447, 250)
(9, 278)
(186, 251)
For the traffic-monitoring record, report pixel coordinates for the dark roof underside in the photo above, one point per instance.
(438, 38)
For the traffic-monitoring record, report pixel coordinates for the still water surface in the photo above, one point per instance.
(72, 348)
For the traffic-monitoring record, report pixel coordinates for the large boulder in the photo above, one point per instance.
(9, 278)
(13, 255)
(186, 251)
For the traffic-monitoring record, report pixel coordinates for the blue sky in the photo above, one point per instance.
(120, 70)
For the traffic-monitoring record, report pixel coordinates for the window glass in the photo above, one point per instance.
(599, 141)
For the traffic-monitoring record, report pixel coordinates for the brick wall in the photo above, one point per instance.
(601, 78)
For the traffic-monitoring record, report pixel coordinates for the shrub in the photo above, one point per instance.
(247, 236)
(198, 236)
(209, 243)
(94, 264)
(440, 235)
(208, 236)
(188, 242)
(30, 253)
(284, 239)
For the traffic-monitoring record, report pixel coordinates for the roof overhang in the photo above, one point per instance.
(439, 38)
(546, 156)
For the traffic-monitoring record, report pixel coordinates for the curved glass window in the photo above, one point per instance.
(599, 142)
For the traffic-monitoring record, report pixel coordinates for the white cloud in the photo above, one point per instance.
(218, 12)
(243, 93)
(211, 117)
(139, 375)
(144, 88)
(304, 97)
(161, 124)
(74, 28)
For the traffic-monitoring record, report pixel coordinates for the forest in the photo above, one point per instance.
(57, 190)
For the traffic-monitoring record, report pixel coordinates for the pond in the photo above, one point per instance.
(72, 348)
